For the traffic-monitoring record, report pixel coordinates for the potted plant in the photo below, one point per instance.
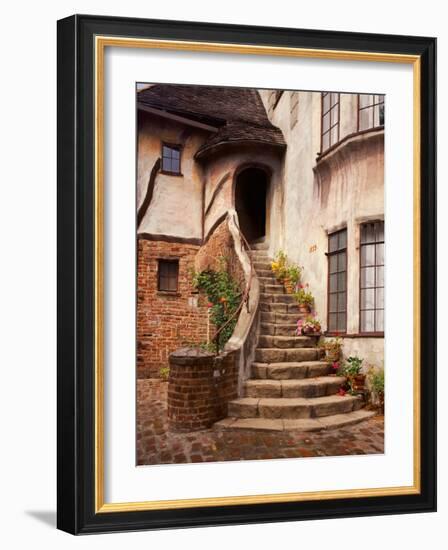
(376, 383)
(278, 266)
(304, 298)
(352, 370)
(333, 349)
(309, 327)
(291, 278)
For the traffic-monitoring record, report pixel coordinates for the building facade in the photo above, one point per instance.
(305, 173)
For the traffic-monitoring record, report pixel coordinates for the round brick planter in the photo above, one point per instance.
(199, 388)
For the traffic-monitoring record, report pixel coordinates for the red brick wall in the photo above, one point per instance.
(199, 389)
(165, 321)
(220, 244)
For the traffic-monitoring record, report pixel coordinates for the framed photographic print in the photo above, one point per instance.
(246, 274)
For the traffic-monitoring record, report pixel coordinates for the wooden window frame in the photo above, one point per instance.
(370, 106)
(377, 333)
(165, 261)
(176, 147)
(329, 254)
(330, 128)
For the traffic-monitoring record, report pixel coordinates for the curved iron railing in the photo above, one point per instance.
(246, 293)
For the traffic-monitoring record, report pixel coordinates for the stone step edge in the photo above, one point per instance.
(302, 425)
(291, 382)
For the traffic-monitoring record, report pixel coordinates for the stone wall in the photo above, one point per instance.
(166, 321)
(200, 386)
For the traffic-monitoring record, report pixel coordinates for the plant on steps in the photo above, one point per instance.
(308, 326)
(278, 266)
(292, 278)
(375, 378)
(286, 272)
(351, 369)
(224, 296)
(332, 348)
(304, 298)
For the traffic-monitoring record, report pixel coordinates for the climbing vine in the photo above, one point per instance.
(224, 297)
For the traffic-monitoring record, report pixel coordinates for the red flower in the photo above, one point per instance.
(341, 392)
(335, 365)
(209, 304)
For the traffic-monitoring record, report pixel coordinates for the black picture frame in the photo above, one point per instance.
(76, 253)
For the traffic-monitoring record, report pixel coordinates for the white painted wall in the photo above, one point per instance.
(343, 190)
(166, 214)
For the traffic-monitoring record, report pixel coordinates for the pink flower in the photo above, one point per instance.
(209, 304)
(335, 365)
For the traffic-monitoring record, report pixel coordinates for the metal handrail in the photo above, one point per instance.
(246, 293)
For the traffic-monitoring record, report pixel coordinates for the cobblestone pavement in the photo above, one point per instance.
(156, 445)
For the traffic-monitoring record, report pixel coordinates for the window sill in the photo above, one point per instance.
(168, 293)
(175, 174)
(345, 139)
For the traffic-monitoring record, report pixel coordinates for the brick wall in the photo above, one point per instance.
(166, 321)
(200, 386)
(220, 244)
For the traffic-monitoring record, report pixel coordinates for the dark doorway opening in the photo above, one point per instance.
(250, 203)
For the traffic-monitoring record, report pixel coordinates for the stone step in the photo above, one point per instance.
(278, 329)
(277, 355)
(272, 288)
(268, 281)
(265, 273)
(307, 387)
(290, 371)
(270, 297)
(276, 317)
(262, 255)
(302, 425)
(293, 407)
(284, 342)
(259, 246)
(262, 265)
(281, 308)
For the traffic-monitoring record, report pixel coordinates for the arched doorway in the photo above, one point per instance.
(251, 188)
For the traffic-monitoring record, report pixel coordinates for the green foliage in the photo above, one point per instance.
(352, 366)
(224, 297)
(293, 273)
(164, 373)
(376, 379)
(304, 297)
(278, 266)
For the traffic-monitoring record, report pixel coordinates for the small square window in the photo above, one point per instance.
(171, 159)
(168, 275)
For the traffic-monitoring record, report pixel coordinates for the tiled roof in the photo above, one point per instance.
(238, 113)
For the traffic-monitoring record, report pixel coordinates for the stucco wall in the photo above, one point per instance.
(343, 189)
(221, 170)
(176, 206)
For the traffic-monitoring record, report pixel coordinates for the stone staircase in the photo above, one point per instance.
(290, 387)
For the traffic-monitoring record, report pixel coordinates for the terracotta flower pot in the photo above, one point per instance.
(333, 355)
(358, 382)
(289, 286)
(304, 308)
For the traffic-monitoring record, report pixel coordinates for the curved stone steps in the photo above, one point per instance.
(301, 424)
(306, 387)
(285, 342)
(281, 355)
(280, 317)
(293, 407)
(290, 370)
(278, 329)
(276, 307)
(277, 298)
